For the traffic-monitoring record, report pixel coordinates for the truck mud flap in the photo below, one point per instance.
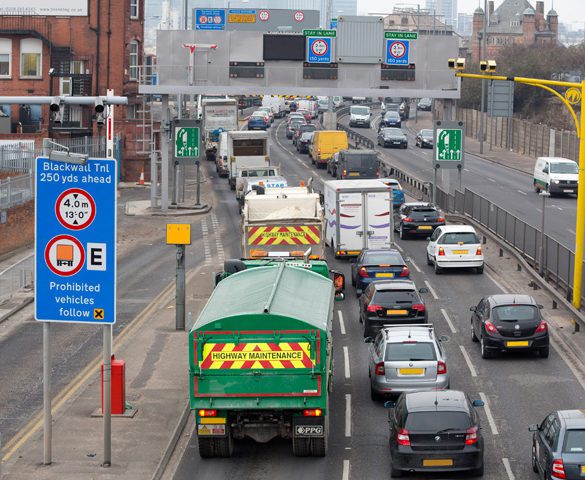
(216, 446)
(309, 437)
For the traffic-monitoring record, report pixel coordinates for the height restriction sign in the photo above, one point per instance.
(75, 241)
(318, 50)
(397, 52)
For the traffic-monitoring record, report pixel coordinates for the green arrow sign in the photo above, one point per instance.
(449, 144)
(187, 142)
(320, 33)
(401, 35)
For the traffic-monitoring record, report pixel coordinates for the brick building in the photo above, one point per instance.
(513, 22)
(97, 47)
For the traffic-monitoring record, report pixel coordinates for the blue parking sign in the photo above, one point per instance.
(75, 241)
(318, 50)
(397, 51)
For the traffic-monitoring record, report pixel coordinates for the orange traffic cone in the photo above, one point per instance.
(141, 180)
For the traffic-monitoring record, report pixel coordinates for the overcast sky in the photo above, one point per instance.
(571, 12)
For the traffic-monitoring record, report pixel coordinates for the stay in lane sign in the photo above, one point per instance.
(319, 49)
(75, 241)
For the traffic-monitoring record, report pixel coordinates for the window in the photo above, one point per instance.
(133, 64)
(132, 111)
(5, 57)
(31, 51)
(134, 9)
(66, 83)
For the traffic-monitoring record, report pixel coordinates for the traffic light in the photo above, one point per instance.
(100, 112)
(487, 66)
(456, 63)
(56, 110)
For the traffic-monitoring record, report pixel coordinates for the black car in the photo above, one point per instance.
(508, 322)
(435, 431)
(425, 104)
(392, 137)
(558, 445)
(371, 265)
(424, 138)
(391, 302)
(391, 119)
(417, 219)
(304, 142)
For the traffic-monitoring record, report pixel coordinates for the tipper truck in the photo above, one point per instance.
(260, 357)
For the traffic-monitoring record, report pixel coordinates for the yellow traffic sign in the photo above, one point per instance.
(573, 96)
(178, 234)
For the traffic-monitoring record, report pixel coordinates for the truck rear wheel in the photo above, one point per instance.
(210, 447)
(206, 449)
(301, 446)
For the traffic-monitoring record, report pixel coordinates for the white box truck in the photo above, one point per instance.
(358, 215)
(246, 149)
(219, 115)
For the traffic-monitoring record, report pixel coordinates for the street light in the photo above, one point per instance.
(541, 268)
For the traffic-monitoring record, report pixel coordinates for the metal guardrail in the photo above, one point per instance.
(16, 190)
(16, 277)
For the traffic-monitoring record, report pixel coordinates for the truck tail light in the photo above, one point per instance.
(405, 272)
(375, 308)
(379, 370)
(542, 327)
(558, 469)
(441, 252)
(313, 412)
(362, 272)
(489, 326)
(471, 436)
(403, 438)
(207, 413)
(442, 369)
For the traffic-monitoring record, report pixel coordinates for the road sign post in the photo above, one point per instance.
(448, 149)
(187, 146)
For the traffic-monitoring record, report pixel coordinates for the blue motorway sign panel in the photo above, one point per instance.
(209, 19)
(75, 241)
(397, 51)
(333, 23)
(318, 50)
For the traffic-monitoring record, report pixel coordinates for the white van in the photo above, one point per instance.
(276, 104)
(556, 175)
(310, 106)
(359, 116)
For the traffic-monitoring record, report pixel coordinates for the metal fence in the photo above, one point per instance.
(16, 190)
(17, 158)
(16, 277)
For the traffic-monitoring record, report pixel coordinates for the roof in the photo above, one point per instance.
(356, 185)
(420, 204)
(552, 13)
(238, 134)
(510, 299)
(556, 159)
(457, 228)
(399, 332)
(394, 285)
(359, 152)
(573, 418)
(282, 290)
(445, 400)
(505, 14)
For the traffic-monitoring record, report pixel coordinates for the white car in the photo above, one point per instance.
(455, 246)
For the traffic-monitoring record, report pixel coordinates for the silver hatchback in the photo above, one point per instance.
(404, 358)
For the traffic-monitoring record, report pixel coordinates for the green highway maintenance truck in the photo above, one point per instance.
(260, 357)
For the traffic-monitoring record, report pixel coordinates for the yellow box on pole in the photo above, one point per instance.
(178, 234)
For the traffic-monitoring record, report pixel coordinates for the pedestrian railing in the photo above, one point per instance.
(16, 190)
(16, 277)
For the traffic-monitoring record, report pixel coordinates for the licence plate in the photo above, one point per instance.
(354, 174)
(424, 227)
(396, 312)
(396, 143)
(411, 371)
(460, 252)
(523, 343)
(384, 275)
(582, 469)
(568, 191)
(211, 430)
(439, 462)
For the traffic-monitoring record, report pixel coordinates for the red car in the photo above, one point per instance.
(306, 114)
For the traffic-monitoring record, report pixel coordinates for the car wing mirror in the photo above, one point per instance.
(423, 290)
(389, 404)
(368, 340)
(540, 306)
(472, 309)
(428, 239)
(533, 428)
(484, 240)
(478, 403)
(444, 339)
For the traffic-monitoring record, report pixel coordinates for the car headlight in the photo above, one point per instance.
(556, 182)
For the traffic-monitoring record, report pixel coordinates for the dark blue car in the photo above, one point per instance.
(258, 122)
(397, 193)
(372, 265)
(391, 119)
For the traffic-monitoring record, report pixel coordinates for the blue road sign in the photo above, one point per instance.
(397, 51)
(333, 23)
(318, 50)
(209, 19)
(75, 241)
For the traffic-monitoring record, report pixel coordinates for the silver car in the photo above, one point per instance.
(404, 358)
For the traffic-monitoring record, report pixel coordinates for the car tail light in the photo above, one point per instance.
(442, 369)
(478, 251)
(471, 436)
(207, 413)
(542, 327)
(489, 326)
(405, 272)
(344, 173)
(441, 220)
(403, 438)
(314, 412)
(379, 370)
(362, 272)
(377, 174)
(558, 469)
(419, 307)
(375, 308)
(441, 252)
(407, 220)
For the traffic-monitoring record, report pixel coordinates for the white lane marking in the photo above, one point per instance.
(468, 361)
(346, 362)
(449, 322)
(491, 179)
(568, 361)
(348, 415)
(538, 210)
(508, 468)
(488, 413)
(345, 474)
(466, 170)
(521, 192)
(493, 279)
(431, 290)
(415, 266)
(398, 247)
(560, 209)
(571, 231)
(341, 322)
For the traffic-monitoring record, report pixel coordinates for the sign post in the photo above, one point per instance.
(187, 149)
(179, 234)
(448, 148)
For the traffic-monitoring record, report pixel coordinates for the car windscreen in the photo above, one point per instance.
(574, 441)
(295, 122)
(308, 128)
(361, 162)
(515, 313)
(455, 238)
(382, 258)
(404, 352)
(426, 133)
(391, 115)
(392, 99)
(393, 133)
(420, 213)
(360, 111)
(257, 117)
(564, 167)
(435, 421)
(395, 297)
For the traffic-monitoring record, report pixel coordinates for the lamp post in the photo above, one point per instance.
(541, 267)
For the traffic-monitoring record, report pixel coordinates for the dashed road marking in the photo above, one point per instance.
(508, 468)
(496, 282)
(348, 415)
(341, 322)
(206, 244)
(488, 413)
(491, 179)
(415, 266)
(346, 362)
(433, 293)
(468, 361)
(218, 242)
(451, 326)
(521, 192)
(345, 474)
